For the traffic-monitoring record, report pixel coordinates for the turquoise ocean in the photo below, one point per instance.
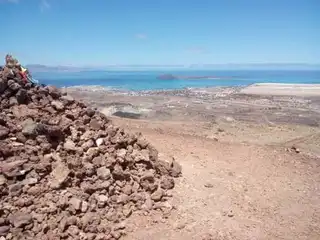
(148, 80)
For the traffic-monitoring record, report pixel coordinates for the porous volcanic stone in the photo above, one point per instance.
(66, 172)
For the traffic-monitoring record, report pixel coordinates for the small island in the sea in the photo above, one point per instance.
(173, 77)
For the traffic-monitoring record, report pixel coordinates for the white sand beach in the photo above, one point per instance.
(283, 89)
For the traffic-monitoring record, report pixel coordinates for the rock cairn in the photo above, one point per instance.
(66, 172)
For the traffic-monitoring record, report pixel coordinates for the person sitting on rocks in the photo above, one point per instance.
(10, 61)
(23, 73)
(17, 69)
(8, 58)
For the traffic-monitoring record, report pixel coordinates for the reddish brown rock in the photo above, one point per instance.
(66, 172)
(157, 195)
(59, 175)
(4, 230)
(20, 219)
(4, 132)
(176, 169)
(167, 182)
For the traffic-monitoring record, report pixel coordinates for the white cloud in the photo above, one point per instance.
(141, 36)
(44, 5)
(9, 1)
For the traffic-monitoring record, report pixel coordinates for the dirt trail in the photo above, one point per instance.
(233, 190)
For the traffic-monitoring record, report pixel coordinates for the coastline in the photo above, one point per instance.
(271, 89)
(277, 104)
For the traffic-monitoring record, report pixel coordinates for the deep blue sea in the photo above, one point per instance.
(147, 80)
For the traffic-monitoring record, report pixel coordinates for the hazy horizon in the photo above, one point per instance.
(231, 66)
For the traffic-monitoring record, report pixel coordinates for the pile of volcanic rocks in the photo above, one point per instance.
(66, 172)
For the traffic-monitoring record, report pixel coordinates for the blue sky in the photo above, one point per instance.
(102, 32)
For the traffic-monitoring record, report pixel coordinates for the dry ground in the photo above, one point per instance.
(248, 188)
(241, 179)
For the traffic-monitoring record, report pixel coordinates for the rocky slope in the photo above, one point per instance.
(66, 172)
